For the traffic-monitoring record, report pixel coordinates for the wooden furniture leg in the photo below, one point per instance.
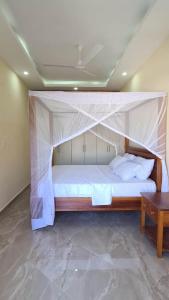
(160, 234)
(142, 216)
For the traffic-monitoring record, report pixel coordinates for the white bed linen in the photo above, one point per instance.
(95, 181)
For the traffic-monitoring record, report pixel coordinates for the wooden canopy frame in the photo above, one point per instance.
(118, 203)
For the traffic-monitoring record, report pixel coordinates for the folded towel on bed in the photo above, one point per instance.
(101, 194)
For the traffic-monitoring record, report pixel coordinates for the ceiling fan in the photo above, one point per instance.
(81, 63)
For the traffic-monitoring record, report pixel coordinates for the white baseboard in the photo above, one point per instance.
(13, 198)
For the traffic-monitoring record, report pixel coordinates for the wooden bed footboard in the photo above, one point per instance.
(85, 204)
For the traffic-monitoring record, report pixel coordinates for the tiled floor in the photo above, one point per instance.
(84, 256)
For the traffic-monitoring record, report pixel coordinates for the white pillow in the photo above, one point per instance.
(146, 167)
(127, 170)
(118, 160)
(129, 156)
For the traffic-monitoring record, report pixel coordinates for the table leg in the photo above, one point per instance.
(160, 234)
(142, 216)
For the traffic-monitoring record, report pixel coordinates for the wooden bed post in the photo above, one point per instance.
(126, 144)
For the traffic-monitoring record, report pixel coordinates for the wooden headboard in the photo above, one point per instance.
(156, 174)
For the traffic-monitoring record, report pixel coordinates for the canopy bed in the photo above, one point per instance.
(57, 117)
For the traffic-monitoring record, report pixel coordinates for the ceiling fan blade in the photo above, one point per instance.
(92, 54)
(88, 73)
(58, 66)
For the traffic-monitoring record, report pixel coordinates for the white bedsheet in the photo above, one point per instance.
(97, 182)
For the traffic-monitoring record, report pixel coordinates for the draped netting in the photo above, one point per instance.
(57, 117)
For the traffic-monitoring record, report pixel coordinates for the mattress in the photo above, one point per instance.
(78, 180)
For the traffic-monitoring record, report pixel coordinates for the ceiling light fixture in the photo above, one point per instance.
(124, 73)
(26, 73)
(75, 88)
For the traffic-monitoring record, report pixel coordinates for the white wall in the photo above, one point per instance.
(153, 76)
(14, 142)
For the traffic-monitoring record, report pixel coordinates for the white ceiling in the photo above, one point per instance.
(34, 33)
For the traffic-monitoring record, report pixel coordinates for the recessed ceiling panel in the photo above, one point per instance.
(53, 29)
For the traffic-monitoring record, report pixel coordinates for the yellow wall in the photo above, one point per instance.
(153, 76)
(14, 144)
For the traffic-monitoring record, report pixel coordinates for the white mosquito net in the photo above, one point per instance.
(56, 117)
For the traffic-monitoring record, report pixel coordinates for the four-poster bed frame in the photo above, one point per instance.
(118, 203)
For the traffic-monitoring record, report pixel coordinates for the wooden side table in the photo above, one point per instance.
(156, 206)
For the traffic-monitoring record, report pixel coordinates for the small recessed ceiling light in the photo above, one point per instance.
(26, 73)
(124, 74)
(75, 88)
